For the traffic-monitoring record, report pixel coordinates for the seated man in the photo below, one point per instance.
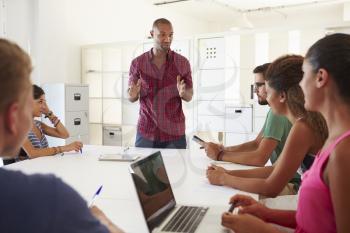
(35, 203)
(269, 142)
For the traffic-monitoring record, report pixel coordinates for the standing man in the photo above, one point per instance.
(161, 79)
(34, 203)
(268, 144)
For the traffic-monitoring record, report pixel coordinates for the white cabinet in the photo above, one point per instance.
(238, 119)
(70, 104)
(105, 69)
(217, 80)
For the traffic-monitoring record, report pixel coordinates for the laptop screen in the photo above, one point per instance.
(153, 188)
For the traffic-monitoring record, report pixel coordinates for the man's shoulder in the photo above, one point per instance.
(276, 119)
(29, 186)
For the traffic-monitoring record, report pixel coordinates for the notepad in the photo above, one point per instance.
(118, 157)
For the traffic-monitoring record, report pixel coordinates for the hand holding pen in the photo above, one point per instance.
(79, 139)
(95, 196)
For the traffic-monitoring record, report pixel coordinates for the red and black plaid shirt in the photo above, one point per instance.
(161, 116)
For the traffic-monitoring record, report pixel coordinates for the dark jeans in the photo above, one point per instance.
(143, 142)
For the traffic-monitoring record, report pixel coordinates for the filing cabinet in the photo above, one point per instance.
(112, 135)
(70, 103)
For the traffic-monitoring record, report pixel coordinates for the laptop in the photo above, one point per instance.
(158, 203)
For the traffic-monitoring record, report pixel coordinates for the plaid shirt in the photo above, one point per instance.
(161, 116)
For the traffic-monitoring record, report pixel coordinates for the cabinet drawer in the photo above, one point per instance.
(77, 98)
(239, 119)
(77, 123)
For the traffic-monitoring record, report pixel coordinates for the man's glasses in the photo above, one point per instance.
(258, 84)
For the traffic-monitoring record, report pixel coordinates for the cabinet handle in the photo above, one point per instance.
(77, 96)
(77, 121)
(111, 134)
(238, 111)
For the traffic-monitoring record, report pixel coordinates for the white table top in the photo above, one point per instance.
(118, 199)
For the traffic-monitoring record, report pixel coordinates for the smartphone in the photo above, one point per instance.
(118, 157)
(198, 140)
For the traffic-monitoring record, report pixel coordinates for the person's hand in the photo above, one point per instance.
(99, 215)
(134, 90)
(243, 223)
(45, 109)
(248, 205)
(181, 86)
(218, 168)
(215, 176)
(76, 146)
(212, 149)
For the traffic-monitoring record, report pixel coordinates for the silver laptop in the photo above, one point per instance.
(159, 207)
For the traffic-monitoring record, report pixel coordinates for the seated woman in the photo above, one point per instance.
(36, 144)
(305, 138)
(324, 204)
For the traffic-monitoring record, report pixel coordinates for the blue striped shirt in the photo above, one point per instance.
(36, 142)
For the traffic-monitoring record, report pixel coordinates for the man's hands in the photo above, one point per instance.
(181, 86)
(212, 149)
(134, 90)
(95, 211)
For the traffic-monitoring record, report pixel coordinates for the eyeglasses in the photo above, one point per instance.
(258, 84)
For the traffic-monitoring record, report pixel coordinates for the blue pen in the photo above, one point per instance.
(79, 138)
(95, 195)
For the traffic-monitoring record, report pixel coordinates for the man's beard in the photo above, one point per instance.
(262, 102)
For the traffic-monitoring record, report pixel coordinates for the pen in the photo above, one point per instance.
(95, 195)
(126, 149)
(79, 138)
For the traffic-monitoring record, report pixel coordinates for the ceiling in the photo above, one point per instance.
(220, 11)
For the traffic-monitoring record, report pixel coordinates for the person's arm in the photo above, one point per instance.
(298, 143)
(337, 174)
(260, 172)
(33, 152)
(59, 131)
(247, 205)
(134, 82)
(98, 214)
(256, 157)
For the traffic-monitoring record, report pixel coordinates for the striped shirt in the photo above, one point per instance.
(160, 116)
(36, 142)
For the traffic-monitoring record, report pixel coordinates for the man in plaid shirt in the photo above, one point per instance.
(160, 79)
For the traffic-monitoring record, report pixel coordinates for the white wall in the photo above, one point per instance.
(65, 25)
(54, 30)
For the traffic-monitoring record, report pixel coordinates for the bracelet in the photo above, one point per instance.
(220, 155)
(57, 122)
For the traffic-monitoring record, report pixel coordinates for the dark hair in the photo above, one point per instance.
(15, 69)
(261, 69)
(284, 75)
(37, 92)
(332, 53)
(160, 21)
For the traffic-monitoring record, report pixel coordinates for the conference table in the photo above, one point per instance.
(186, 169)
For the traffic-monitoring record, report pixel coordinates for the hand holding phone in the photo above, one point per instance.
(198, 139)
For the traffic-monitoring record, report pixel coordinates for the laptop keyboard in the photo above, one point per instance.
(186, 219)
